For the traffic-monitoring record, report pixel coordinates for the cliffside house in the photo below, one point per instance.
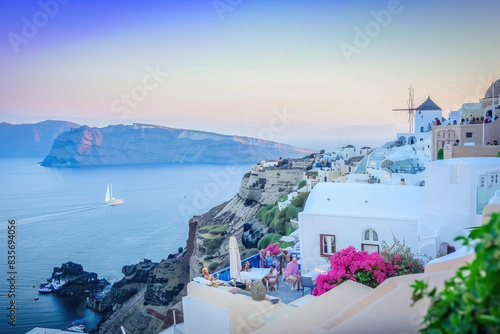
(427, 218)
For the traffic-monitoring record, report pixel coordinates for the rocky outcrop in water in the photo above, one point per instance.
(77, 282)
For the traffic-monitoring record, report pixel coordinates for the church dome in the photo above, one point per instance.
(497, 90)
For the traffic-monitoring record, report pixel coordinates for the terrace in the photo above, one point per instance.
(283, 291)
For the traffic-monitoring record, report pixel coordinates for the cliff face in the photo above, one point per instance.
(120, 144)
(258, 188)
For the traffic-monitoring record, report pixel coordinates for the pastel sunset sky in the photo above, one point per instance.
(307, 73)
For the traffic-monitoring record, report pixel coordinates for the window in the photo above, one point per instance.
(327, 244)
(421, 129)
(468, 135)
(370, 235)
(369, 248)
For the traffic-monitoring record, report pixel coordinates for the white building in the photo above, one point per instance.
(338, 215)
(269, 163)
(427, 218)
(364, 151)
(349, 151)
(425, 114)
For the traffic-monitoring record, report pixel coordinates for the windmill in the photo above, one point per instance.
(343, 144)
(410, 110)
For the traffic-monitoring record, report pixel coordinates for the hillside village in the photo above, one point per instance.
(423, 190)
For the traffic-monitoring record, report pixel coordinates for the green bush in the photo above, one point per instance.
(470, 301)
(263, 210)
(212, 244)
(284, 198)
(268, 239)
(218, 229)
(300, 200)
(302, 184)
(214, 229)
(291, 211)
(284, 244)
(288, 228)
(278, 223)
(268, 217)
(278, 227)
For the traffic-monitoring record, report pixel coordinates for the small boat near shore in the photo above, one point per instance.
(80, 328)
(50, 287)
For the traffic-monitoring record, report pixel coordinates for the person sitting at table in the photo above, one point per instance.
(244, 276)
(268, 260)
(247, 267)
(271, 278)
(285, 258)
(276, 263)
(209, 277)
(262, 258)
(292, 273)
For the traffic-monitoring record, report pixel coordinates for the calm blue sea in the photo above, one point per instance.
(61, 216)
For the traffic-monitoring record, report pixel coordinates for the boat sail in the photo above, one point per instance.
(109, 199)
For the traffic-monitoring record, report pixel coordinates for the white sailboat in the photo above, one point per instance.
(110, 200)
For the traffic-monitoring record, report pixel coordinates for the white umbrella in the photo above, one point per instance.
(234, 260)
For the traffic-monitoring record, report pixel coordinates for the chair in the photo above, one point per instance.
(277, 284)
(305, 281)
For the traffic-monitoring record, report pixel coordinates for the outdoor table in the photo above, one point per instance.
(256, 274)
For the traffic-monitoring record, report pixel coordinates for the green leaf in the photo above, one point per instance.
(488, 319)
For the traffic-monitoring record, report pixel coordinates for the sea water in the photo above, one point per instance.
(60, 216)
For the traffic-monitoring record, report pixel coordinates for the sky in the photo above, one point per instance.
(314, 74)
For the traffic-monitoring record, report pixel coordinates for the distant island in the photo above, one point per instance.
(65, 144)
(31, 140)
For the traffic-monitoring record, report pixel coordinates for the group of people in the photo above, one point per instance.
(291, 273)
(477, 120)
(473, 120)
